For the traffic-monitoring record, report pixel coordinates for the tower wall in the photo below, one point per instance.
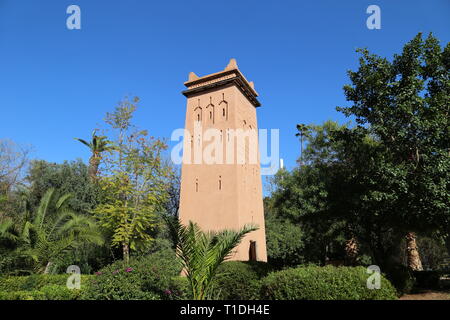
(222, 196)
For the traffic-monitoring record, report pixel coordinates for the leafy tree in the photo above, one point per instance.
(135, 180)
(404, 105)
(97, 145)
(69, 177)
(285, 243)
(304, 200)
(202, 253)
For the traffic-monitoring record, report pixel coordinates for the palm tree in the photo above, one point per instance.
(98, 145)
(303, 130)
(202, 253)
(54, 230)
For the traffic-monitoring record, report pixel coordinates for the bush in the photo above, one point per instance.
(237, 280)
(401, 278)
(39, 287)
(323, 283)
(179, 289)
(22, 295)
(35, 282)
(144, 278)
(285, 243)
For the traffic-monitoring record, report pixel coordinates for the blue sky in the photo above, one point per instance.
(57, 84)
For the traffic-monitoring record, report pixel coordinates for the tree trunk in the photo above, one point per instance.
(126, 252)
(412, 252)
(47, 267)
(94, 163)
(351, 251)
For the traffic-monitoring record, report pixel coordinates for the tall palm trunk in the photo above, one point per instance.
(126, 252)
(412, 252)
(351, 251)
(94, 163)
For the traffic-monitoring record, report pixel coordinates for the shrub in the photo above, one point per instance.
(323, 283)
(179, 289)
(39, 287)
(57, 292)
(144, 278)
(35, 282)
(22, 295)
(237, 280)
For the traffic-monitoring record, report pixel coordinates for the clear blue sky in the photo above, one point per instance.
(57, 84)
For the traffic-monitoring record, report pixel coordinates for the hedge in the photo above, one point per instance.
(144, 278)
(323, 283)
(40, 287)
(237, 280)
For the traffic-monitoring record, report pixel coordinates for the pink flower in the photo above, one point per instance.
(98, 273)
(128, 269)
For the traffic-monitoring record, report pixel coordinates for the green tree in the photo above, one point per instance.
(68, 177)
(304, 200)
(135, 181)
(98, 145)
(403, 105)
(201, 253)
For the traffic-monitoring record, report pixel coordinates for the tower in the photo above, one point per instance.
(220, 178)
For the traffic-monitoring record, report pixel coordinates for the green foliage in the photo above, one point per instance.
(68, 177)
(303, 224)
(36, 282)
(54, 230)
(323, 283)
(98, 145)
(23, 295)
(202, 253)
(143, 278)
(403, 105)
(134, 179)
(39, 287)
(179, 289)
(238, 280)
(285, 246)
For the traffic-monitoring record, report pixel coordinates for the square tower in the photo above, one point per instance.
(220, 178)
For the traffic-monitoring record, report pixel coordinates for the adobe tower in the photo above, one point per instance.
(224, 194)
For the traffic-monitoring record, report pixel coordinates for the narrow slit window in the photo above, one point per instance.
(252, 251)
(220, 182)
(196, 185)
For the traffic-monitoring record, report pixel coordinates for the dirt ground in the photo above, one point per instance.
(427, 295)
